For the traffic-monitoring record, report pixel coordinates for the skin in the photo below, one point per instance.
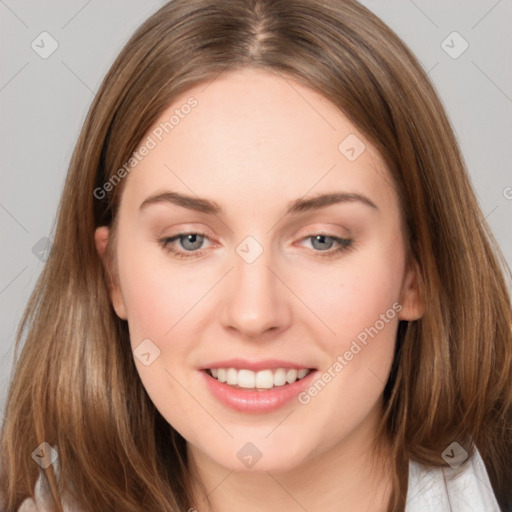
(254, 143)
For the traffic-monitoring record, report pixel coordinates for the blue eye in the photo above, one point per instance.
(343, 242)
(319, 240)
(193, 241)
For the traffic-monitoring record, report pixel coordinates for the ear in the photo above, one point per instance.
(410, 297)
(101, 239)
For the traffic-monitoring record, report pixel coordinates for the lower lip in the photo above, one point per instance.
(256, 401)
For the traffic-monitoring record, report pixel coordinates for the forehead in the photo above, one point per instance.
(255, 134)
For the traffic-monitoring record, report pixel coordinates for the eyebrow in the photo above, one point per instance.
(296, 206)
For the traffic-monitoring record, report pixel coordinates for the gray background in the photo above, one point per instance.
(44, 101)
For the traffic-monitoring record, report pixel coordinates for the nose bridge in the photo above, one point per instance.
(256, 301)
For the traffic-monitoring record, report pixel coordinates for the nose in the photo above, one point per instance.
(256, 301)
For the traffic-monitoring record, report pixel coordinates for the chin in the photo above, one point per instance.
(248, 458)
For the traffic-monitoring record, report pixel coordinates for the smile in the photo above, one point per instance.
(264, 379)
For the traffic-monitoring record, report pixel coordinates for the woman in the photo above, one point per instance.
(192, 345)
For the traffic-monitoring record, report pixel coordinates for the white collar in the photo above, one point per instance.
(463, 489)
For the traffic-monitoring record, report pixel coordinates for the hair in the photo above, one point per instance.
(75, 384)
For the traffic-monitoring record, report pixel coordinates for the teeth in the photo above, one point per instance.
(264, 379)
(280, 377)
(231, 377)
(302, 373)
(246, 378)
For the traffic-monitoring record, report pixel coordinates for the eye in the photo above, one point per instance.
(324, 243)
(191, 243)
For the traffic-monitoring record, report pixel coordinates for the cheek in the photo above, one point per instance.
(352, 294)
(359, 303)
(156, 293)
(360, 306)
(157, 299)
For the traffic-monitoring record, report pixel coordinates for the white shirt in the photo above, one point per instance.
(449, 489)
(444, 489)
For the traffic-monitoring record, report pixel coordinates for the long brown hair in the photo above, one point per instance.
(76, 386)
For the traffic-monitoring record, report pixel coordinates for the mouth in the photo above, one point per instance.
(264, 391)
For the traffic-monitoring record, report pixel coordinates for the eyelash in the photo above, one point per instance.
(345, 244)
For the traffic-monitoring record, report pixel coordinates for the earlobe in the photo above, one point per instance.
(411, 300)
(101, 240)
(101, 237)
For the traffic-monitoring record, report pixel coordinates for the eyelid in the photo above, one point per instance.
(184, 229)
(333, 230)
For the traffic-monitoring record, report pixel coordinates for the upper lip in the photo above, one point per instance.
(253, 365)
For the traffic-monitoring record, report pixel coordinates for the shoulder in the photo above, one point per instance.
(457, 488)
(36, 504)
(40, 501)
(29, 505)
(40, 505)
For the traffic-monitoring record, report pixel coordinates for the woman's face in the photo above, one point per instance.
(269, 278)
